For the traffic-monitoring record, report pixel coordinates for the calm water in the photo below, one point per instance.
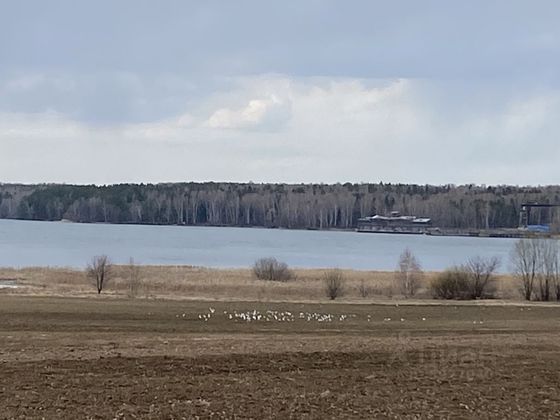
(25, 243)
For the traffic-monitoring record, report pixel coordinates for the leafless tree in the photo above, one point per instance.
(134, 279)
(334, 283)
(364, 289)
(556, 269)
(409, 273)
(481, 275)
(526, 262)
(548, 279)
(99, 271)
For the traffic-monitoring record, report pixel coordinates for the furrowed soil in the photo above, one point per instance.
(90, 358)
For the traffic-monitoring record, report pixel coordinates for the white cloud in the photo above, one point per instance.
(167, 130)
(257, 113)
(24, 82)
(42, 127)
(273, 128)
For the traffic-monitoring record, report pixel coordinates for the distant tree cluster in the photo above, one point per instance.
(313, 206)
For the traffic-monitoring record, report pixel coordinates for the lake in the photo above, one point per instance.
(29, 243)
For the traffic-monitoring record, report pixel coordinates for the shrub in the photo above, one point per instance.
(473, 280)
(334, 283)
(453, 283)
(272, 269)
(481, 276)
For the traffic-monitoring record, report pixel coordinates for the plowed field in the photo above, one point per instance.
(110, 358)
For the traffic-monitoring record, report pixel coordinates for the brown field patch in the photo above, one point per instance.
(122, 358)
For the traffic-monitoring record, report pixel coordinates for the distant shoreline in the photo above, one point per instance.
(470, 233)
(288, 206)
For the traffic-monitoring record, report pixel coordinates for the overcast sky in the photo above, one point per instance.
(285, 91)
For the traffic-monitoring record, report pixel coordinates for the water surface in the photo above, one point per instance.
(29, 243)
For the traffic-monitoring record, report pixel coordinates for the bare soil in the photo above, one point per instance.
(122, 358)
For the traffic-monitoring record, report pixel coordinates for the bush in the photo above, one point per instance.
(272, 269)
(481, 273)
(473, 280)
(453, 283)
(334, 283)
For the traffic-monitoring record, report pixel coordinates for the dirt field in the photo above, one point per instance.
(120, 358)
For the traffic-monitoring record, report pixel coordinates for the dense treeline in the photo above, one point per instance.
(270, 205)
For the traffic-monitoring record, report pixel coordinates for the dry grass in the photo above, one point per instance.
(186, 282)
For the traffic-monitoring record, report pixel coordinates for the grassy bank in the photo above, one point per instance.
(185, 282)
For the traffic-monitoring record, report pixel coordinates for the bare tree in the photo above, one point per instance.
(363, 289)
(134, 279)
(481, 275)
(537, 263)
(553, 268)
(99, 271)
(557, 279)
(409, 273)
(526, 260)
(334, 283)
(548, 279)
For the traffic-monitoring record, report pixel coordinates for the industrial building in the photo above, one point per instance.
(395, 223)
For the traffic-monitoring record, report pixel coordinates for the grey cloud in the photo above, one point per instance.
(101, 98)
(330, 38)
(113, 54)
(153, 74)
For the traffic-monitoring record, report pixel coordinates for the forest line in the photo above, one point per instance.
(297, 206)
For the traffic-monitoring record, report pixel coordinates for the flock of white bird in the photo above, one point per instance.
(287, 316)
(282, 316)
(274, 316)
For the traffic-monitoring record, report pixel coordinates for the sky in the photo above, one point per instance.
(437, 92)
